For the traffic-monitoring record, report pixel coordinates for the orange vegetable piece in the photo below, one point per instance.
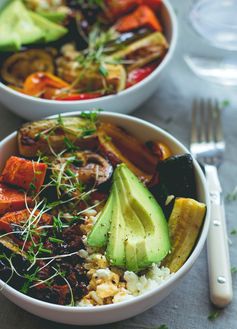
(142, 16)
(21, 217)
(36, 83)
(12, 199)
(24, 173)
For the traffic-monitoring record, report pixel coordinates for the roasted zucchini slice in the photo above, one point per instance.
(185, 223)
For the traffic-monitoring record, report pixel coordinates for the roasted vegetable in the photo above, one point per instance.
(23, 173)
(11, 219)
(54, 135)
(138, 75)
(37, 83)
(142, 16)
(119, 146)
(176, 174)
(105, 78)
(159, 149)
(19, 66)
(184, 223)
(89, 168)
(142, 52)
(12, 199)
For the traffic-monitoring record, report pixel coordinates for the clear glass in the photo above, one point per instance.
(216, 21)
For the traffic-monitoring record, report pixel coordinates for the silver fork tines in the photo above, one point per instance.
(207, 142)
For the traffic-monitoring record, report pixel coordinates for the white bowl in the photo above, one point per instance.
(144, 131)
(32, 108)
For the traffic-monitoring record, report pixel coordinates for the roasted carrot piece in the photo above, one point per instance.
(142, 16)
(12, 199)
(21, 217)
(23, 173)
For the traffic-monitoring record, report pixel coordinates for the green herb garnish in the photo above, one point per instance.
(214, 315)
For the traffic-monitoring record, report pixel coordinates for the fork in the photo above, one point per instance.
(208, 147)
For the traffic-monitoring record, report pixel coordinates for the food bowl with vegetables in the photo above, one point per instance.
(55, 56)
(101, 215)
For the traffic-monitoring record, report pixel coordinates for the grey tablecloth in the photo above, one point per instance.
(188, 306)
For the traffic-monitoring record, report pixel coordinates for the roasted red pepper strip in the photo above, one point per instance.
(78, 97)
(23, 173)
(138, 75)
(142, 16)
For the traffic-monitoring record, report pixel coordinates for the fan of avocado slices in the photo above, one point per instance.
(132, 226)
(20, 26)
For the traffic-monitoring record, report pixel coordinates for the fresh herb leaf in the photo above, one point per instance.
(44, 250)
(103, 71)
(60, 120)
(55, 240)
(70, 145)
(232, 196)
(225, 103)
(234, 270)
(107, 138)
(233, 232)
(32, 187)
(214, 315)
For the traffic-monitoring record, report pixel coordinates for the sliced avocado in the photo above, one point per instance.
(157, 244)
(115, 252)
(53, 16)
(99, 235)
(52, 31)
(135, 232)
(17, 27)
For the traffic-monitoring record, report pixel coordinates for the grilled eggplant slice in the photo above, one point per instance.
(49, 136)
(141, 52)
(184, 224)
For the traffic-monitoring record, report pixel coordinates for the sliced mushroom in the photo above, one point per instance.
(95, 170)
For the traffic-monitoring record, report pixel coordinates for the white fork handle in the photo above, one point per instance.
(220, 281)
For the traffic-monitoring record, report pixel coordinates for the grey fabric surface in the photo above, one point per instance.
(188, 306)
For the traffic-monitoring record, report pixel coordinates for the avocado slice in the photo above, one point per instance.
(115, 252)
(53, 16)
(17, 27)
(156, 244)
(138, 232)
(99, 235)
(135, 232)
(52, 31)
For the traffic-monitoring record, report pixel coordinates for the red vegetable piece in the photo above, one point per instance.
(12, 199)
(138, 75)
(24, 173)
(142, 16)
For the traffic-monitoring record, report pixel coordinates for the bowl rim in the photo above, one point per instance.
(174, 277)
(137, 86)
